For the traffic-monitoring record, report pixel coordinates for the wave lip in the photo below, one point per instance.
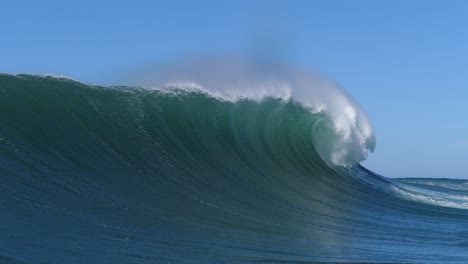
(345, 138)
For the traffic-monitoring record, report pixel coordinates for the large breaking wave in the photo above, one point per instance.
(260, 169)
(344, 136)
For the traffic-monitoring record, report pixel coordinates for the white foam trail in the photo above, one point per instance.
(351, 138)
(432, 197)
(57, 76)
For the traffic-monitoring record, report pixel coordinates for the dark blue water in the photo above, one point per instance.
(126, 175)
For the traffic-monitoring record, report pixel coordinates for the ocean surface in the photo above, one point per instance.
(92, 174)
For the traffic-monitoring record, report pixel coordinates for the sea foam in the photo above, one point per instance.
(345, 140)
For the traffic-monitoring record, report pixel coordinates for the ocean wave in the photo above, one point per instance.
(187, 174)
(348, 131)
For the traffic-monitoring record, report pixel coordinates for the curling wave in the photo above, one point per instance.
(198, 174)
(345, 136)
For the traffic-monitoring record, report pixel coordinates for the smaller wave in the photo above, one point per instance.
(438, 184)
(57, 76)
(427, 196)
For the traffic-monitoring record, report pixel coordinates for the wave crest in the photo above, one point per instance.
(344, 139)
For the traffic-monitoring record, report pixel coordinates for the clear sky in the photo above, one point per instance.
(405, 62)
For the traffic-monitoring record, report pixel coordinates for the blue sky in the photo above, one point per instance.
(405, 62)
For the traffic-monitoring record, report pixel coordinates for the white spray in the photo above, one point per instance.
(233, 79)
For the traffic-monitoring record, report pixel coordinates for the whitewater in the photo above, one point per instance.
(233, 164)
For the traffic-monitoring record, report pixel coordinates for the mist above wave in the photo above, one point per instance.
(345, 139)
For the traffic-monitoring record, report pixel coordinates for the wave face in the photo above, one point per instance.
(129, 175)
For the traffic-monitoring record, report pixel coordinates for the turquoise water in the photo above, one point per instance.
(129, 175)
